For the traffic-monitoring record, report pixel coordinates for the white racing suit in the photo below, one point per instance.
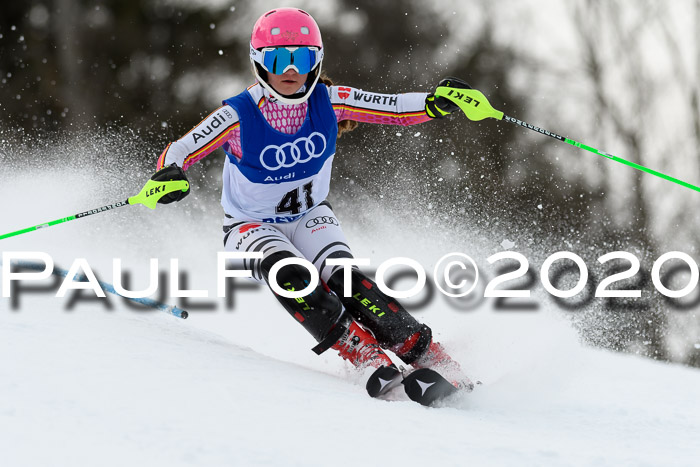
(276, 178)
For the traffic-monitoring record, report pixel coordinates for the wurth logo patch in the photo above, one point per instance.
(247, 227)
(372, 98)
(344, 93)
(248, 230)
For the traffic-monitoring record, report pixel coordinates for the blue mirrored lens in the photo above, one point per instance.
(277, 60)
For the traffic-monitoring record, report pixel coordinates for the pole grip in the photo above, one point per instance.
(472, 102)
(154, 190)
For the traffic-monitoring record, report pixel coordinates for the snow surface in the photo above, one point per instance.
(239, 386)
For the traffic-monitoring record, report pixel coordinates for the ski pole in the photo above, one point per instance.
(107, 287)
(476, 107)
(149, 195)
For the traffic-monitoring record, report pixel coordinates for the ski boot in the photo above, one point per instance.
(362, 350)
(437, 359)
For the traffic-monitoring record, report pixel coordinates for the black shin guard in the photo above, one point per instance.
(393, 327)
(320, 313)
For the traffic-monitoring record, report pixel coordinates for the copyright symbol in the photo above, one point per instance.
(458, 272)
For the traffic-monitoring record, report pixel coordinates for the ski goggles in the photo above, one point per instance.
(277, 60)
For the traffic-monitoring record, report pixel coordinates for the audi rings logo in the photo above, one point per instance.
(290, 154)
(311, 223)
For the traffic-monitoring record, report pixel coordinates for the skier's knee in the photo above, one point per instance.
(291, 276)
(320, 312)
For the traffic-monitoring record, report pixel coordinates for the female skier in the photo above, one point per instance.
(279, 136)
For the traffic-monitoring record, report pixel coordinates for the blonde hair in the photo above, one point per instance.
(345, 125)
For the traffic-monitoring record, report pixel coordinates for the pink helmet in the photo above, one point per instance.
(287, 27)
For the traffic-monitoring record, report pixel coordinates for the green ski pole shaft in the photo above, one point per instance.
(80, 215)
(148, 196)
(477, 107)
(107, 287)
(600, 153)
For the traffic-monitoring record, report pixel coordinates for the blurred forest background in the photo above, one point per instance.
(620, 75)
